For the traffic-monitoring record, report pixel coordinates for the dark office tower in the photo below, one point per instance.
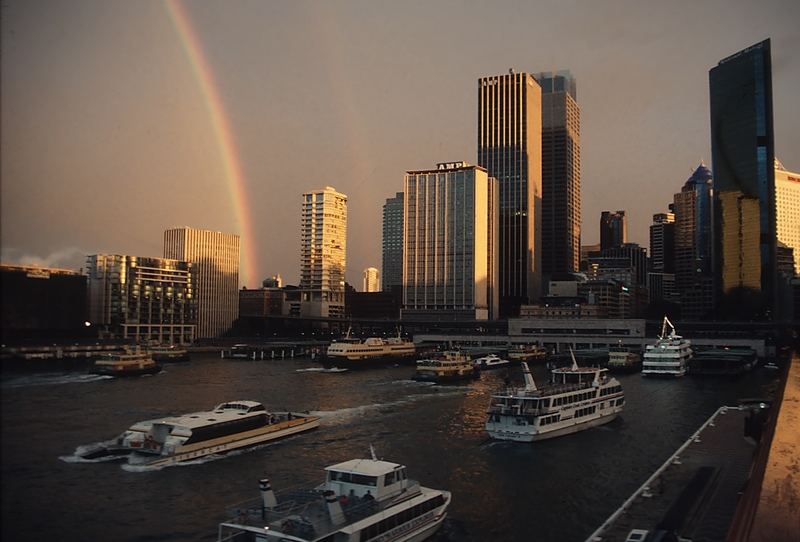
(509, 147)
(693, 277)
(743, 152)
(662, 243)
(561, 174)
(613, 229)
(392, 243)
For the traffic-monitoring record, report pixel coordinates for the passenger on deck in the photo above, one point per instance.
(368, 496)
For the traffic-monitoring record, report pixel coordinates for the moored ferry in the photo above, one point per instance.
(527, 352)
(361, 500)
(356, 353)
(230, 426)
(670, 354)
(622, 360)
(447, 366)
(131, 363)
(576, 398)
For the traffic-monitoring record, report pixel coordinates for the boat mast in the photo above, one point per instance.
(574, 362)
(664, 327)
(530, 384)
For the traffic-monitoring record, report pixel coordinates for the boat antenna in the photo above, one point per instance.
(530, 384)
(372, 452)
(574, 362)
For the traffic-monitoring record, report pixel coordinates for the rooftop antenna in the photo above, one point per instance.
(372, 453)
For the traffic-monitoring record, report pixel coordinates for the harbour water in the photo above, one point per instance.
(555, 490)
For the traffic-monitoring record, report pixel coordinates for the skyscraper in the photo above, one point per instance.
(743, 151)
(144, 299)
(787, 209)
(693, 244)
(392, 264)
(662, 243)
(450, 243)
(215, 262)
(370, 280)
(510, 148)
(561, 173)
(323, 253)
(613, 229)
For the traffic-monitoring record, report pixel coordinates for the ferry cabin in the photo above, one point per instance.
(576, 399)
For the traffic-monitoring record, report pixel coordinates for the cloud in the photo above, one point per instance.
(63, 258)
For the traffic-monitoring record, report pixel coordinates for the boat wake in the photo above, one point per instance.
(79, 453)
(335, 417)
(407, 382)
(321, 370)
(53, 380)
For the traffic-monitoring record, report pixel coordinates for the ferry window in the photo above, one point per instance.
(362, 480)
(545, 403)
(388, 479)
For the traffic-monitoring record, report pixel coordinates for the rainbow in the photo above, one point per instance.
(223, 133)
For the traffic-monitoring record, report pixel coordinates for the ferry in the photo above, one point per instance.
(131, 363)
(576, 398)
(491, 361)
(670, 354)
(230, 426)
(168, 354)
(527, 352)
(448, 366)
(361, 500)
(354, 353)
(622, 360)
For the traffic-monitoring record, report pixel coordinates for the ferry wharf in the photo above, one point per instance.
(721, 484)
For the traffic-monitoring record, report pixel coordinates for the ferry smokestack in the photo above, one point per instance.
(334, 508)
(267, 495)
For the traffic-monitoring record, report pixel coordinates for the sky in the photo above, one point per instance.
(122, 119)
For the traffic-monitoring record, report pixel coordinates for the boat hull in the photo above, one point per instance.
(446, 379)
(229, 443)
(367, 362)
(170, 358)
(138, 371)
(561, 431)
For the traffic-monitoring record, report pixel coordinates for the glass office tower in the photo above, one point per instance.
(742, 148)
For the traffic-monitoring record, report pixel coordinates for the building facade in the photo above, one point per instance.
(613, 229)
(743, 152)
(323, 255)
(787, 210)
(392, 264)
(450, 243)
(370, 280)
(661, 277)
(143, 299)
(693, 245)
(561, 174)
(510, 149)
(215, 261)
(42, 303)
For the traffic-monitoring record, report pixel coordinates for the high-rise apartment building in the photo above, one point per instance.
(392, 264)
(743, 151)
(323, 253)
(787, 210)
(662, 243)
(215, 261)
(510, 148)
(661, 277)
(370, 281)
(613, 229)
(693, 244)
(450, 243)
(145, 299)
(561, 174)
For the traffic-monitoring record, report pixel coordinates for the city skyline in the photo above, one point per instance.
(120, 121)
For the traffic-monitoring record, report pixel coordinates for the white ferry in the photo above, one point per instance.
(130, 363)
(447, 366)
(491, 361)
(576, 398)
(355, 353)
(362, 500)
(230, 426)
(670, 354)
